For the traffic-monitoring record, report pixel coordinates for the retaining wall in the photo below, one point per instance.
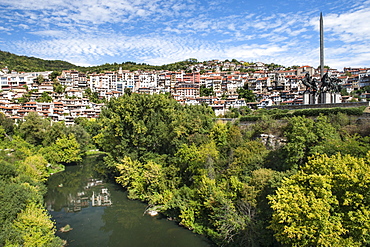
(312, 106)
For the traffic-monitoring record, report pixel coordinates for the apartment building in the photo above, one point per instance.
(15, 79)
(271, 87)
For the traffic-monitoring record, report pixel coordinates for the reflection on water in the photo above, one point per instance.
(101, 215)
(101, 199)
(94, 194)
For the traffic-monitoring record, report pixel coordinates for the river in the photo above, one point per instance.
(101, 215)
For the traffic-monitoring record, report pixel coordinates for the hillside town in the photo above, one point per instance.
(216, 83)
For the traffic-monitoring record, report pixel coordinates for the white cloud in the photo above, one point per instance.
(349, 26)
(154, 31)
(50, 33)
(173, 30)
(23, 26)
(254, 51)
(157, 49)
(347, 36)
(2, 29)
(97, 12)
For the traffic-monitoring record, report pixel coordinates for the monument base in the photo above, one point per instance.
(330, 98)
(310, 99)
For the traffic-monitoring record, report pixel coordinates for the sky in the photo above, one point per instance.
(94, 32)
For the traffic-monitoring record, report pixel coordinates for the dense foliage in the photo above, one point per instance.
(142, 125)
(23, 219)
(29, 152)
(215, 178)
(299, 181)
(333, 206)
(280, 114)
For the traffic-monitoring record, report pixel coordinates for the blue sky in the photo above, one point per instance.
(94, 32)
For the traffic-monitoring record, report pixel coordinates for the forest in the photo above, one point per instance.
(295, 180)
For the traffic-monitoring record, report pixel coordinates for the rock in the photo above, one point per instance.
(66, 228)
(152, 212)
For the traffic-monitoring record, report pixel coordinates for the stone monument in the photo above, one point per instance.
(324, 91)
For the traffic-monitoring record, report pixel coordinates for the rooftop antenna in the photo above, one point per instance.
(321, 46)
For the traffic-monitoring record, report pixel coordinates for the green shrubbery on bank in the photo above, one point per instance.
(23, 218)
(29, 153)
(280, 114)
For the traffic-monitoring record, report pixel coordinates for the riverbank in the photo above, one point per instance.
(97, 224)
(52, 169)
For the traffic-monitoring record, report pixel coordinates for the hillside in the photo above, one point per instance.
(29, 64)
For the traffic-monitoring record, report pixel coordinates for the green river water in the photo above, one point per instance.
(101, 215)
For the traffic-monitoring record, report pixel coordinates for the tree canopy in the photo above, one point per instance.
(216, 178)
(139, 124)
(23, 219)
(304, 179)
(325, 204)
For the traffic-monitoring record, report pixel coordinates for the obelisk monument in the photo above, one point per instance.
(321, 46)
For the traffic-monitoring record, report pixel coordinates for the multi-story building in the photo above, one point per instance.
(271, 87)
(14, 79)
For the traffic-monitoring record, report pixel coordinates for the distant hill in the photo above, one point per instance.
(30, 64)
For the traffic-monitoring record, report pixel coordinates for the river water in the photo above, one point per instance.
(101, 215)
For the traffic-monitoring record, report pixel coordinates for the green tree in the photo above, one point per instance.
(130, 177)
(40, 79)
(35, 167)
(248, 157)
(34, 228)
(304, 135)
(93, 96)
(7, 124)
(45, 97)
(15, 197)
(325, 204)
(204, 91)
(246, 94)
(57, 87)
(64, 150)
(138, 124)
(353, 145)
(54, 75)
(57, 130)
(127, 91)
(219, 134)
(90, 125)
(24, 99)
(83, 138)
(34, 128)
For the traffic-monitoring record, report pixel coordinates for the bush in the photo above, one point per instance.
(357, 111)
(280, 114)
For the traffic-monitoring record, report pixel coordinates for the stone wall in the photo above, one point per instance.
(312, 106)
(271, 141)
